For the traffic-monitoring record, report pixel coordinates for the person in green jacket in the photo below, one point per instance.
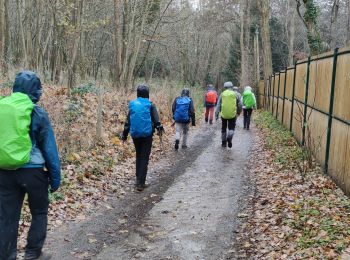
(249, 103)
(230, 106)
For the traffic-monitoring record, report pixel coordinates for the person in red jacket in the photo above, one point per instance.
(210, 100)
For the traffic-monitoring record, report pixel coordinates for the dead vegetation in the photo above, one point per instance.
(293, 216)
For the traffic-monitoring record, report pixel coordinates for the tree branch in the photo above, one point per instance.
(299, 13)
(154, 32)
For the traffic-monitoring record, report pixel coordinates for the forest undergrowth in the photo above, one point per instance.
(295, 215)
(94, 169)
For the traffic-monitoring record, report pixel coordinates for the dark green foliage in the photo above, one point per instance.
(154, 10)
(279, 45)
(160, 69)
(310, 16)
(84, 89)
(209, 79)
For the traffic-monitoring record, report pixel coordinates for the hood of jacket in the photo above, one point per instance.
(27, 82)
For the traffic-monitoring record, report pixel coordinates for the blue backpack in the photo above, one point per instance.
(140, 118)
(181, 114)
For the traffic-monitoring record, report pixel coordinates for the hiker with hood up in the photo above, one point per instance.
(183, 114)
(210, 100)
(141, 122)
(230, 106)
(27, 146)
(249, 103)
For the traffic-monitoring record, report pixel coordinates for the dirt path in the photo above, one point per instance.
(190, 211)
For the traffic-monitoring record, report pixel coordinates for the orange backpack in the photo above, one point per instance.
(210, 97)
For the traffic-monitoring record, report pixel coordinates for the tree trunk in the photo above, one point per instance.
(28, 33)
(245, 42)
(291, 31)
(310, 21)
(334, 18)
(266, 42)
(117, 41)
(23, 38)
(74, 51)
(257, 55)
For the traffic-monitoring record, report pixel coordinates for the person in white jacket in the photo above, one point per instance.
(249, 103)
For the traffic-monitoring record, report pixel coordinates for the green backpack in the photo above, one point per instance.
(248, 99)
(15, 142)
(228, 104)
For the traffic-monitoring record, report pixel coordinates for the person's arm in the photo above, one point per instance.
(174, 107)
(204, 99)
(218, 108)
(239, 105)
(155, 119)
(192, 113)
(46, 142)
(126, 127)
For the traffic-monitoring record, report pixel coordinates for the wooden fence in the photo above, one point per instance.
(312, 100)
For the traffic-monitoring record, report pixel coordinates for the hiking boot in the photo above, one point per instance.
(224, 144)
(177, 145)
(184, 146)
(43, 256)
(229, 143)
(206, 120)
(211, 122)
(140, 187)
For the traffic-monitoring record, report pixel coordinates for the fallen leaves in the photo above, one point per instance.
(293, 216)
(92, 171)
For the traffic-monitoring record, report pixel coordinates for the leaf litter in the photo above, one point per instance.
(92, 169)
(293, 215)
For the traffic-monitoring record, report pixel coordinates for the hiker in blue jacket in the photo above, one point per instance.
(31, 179)
(141, 122)
(183, 114)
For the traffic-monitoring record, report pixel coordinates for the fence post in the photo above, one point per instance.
(284, 94)
(273, 92)
(270, 93)
(278, 94)
(331, 107)
(293, 96)
(267, 95)
(265, 81)
(306, 99)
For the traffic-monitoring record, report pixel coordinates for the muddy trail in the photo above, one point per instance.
(189, 211)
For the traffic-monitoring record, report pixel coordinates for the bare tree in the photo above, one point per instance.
(266, 43)
(245, 42)
(309, 19)
(291, 30)
(334, 18)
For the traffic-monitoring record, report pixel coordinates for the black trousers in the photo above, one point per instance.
(229, 124)
(13, 187)
(247, 113)
(143, 148)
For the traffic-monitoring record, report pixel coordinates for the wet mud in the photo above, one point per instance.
(190, 210)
